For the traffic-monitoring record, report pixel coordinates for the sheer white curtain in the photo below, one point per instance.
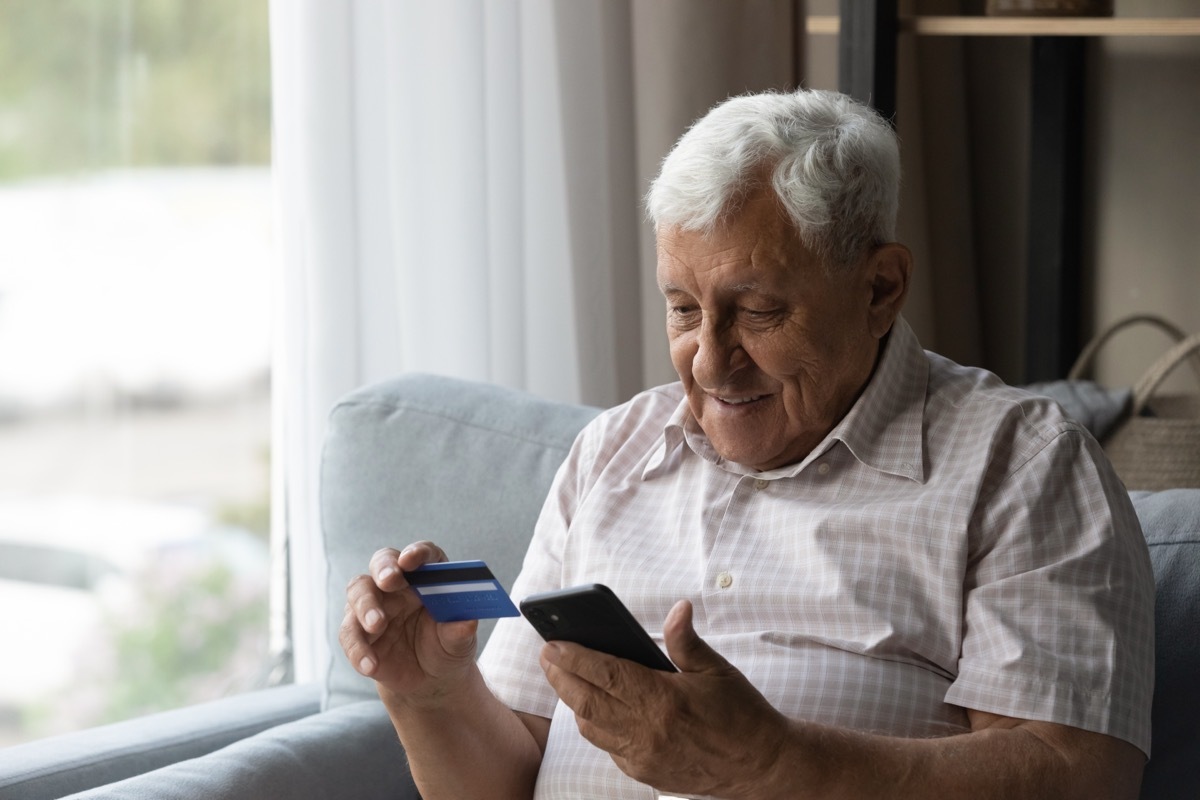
(457, 195)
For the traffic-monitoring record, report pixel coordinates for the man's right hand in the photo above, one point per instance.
(388, 635)
(460, 741)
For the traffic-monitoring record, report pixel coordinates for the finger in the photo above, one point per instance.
(685, 647)
(384, 567)
(365, 600)
(592, 706)
(613, 717)
(458, 638)
(420, 553)
(374, 606)
(578, 672)
(353, 639)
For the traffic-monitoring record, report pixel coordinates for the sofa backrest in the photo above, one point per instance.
(1171, 522)
(466, 465)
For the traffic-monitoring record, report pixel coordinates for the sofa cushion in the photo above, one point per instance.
(1087, 402)
(72, 762)
(1171, 523)
(464, 464)
(349, 752)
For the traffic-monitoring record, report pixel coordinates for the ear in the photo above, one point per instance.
(889, 270)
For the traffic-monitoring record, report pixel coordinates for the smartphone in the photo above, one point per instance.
(592, 615)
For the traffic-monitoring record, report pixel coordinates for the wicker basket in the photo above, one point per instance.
(1156, 445)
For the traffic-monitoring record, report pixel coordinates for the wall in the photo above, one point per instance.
(1144, 169)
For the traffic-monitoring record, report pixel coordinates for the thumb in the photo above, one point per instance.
(685, 647)
(458, 638)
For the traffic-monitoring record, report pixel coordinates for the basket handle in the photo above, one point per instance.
(1084, 362)
(1144, 389)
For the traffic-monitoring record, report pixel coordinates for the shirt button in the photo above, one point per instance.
(823, 469)
(724, 580)
(761, 484)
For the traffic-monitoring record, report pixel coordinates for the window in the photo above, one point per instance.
(135, 261)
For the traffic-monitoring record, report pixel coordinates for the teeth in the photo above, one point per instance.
(737, 401)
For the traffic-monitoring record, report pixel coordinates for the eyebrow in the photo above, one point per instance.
(737, 288)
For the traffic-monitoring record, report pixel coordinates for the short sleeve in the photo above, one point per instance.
(1058, 608)
(509, 661)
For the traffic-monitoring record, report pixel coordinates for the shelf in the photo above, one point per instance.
(1027, 26)
(823, 25)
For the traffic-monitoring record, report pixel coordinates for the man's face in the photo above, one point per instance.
(771, 349)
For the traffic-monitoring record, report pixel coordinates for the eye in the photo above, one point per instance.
(679, 303)
(682, 314)
(761, 314)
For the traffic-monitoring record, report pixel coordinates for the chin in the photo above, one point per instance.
(761, 456)
(747, 457)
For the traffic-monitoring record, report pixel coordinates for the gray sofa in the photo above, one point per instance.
(467, 465)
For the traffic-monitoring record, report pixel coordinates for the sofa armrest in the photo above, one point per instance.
(73, 762)
(351, 751)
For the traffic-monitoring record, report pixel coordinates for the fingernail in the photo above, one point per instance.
(373, 618)
(386, 573)
(552, 652)
(367, 665)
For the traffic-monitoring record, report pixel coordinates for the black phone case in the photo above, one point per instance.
(592, 615)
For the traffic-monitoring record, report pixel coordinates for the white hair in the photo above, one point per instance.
(834, 164)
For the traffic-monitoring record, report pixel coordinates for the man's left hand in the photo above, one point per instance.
(704, 730)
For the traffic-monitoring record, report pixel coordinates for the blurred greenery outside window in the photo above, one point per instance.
(135, 266)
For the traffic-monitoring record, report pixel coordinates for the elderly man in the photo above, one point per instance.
(880, 574)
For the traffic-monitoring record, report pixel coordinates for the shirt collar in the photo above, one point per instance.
(883, 429)
(666, 455)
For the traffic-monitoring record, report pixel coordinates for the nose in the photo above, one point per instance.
(719, 354)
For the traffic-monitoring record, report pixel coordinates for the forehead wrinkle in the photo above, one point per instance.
(763, 253)
(771, 247)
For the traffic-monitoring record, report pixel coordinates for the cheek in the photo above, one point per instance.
(682, 348)
(815, 350)
(786, 358)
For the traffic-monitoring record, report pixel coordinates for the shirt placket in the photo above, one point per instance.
(725, 577)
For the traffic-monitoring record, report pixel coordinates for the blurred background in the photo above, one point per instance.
(136, 253)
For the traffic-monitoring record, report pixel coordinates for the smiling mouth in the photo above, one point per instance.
(738, 401)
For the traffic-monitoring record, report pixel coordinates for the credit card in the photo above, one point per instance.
(458, 590)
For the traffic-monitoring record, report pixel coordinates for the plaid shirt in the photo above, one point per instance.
(952, 543)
